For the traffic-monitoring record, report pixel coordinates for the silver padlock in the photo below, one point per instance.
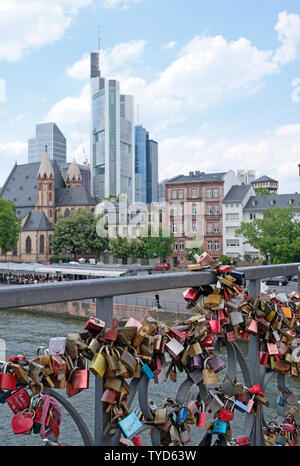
(35, 371)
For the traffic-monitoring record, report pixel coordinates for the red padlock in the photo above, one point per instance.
(79, 378)
(225, 415)
(7, 381)
(191, 295)
(255, 389)
(94, 325)
(137, 441)
(19, 400)
(22, 423)
(201, 416)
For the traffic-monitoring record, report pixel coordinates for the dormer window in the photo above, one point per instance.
(272, 202)
(253, 203)
(291, 201)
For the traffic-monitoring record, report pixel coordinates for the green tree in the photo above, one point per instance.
(121, 247)
(155, 246)
(276, 235)
(75, 234)
(263, 191)
(10, 225)
(190, 252)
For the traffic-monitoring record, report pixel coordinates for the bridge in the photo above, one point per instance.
(104, 291)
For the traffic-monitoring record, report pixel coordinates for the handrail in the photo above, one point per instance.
(14, 296)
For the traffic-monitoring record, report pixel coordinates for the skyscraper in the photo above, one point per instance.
(47, 134)
(146, 166)
(112, 137)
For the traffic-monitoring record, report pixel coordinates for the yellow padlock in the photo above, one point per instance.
(98, 364)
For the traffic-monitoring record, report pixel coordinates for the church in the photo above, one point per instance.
(40, 193)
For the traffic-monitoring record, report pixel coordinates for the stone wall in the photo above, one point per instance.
(121, 312)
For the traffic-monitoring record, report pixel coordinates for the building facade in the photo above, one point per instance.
(194, 204)
(112, 137)
(246, 176)
(40, 194)
(47, 134)
(242, 205)
(146, 166)
(267, 183)
(84, 171)
(151, 170)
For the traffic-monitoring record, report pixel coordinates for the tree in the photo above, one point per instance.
(121, 247)
(190, 252)
(263, 192)
(276, 235)
(10, 225)
(155, 246)
(75, 234)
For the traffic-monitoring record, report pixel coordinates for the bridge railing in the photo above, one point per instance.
(103, 290)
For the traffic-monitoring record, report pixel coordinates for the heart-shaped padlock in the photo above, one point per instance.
(225, 415)
(22, 422)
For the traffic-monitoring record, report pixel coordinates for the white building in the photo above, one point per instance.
(242, 205)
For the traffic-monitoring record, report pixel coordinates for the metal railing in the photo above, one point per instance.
(103, 290)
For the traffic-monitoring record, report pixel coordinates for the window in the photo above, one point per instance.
(194, 227)
(174, 194)
(209, 210)
(180, 194)
(174, 211)
(217, 245)
(209, 245)
(209, 228)
(208, 193)
(232, 243)
(42, 244)
(28, 245)
(175, 247)
(216, 192)
(180, 210)
(181, 246)
(181, 259)
(180, 228)
(217, 228)
(174, 228)
(15, 251)
(67, 213)
(194, 192)
(194, 209)
(232, 217)
(252, 216)
(216, 210)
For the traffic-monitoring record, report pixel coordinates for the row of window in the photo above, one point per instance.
(194, 193)
(210, 210)
(213, 245)
(210, 228)
(179, 246)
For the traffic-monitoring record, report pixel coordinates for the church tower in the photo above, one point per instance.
(73, 176)
(46, 188)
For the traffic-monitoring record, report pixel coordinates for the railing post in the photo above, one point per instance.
(257, 433)
(104, 311)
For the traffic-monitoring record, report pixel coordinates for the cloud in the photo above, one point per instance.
(288, 130)
(9, 153)
(273, 155)
(288, 28)
(121, 55)
(26, 25)
(2, 90)
(169, 45)
(121, 4)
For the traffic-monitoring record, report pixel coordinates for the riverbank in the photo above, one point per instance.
(121, 312)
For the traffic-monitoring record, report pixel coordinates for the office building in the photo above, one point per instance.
(146, 166)
(47, 134)
(112, 137)
(246, 176)
(151, 171)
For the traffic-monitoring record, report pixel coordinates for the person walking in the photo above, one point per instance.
(157, 301)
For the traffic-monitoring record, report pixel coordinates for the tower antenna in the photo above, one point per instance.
(99, 38)
(137, 113)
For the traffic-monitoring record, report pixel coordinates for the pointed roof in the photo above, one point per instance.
(46, 167)
(37, 221)
(73, 173)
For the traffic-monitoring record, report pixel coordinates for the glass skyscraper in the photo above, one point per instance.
(146, 166)
(47, 134)
(112, 137)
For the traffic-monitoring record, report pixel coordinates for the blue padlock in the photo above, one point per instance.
(220, 426)
(280, 401)
(239, 277)
(240, 406)
(130, 424)
(146, 370)
(181, 416)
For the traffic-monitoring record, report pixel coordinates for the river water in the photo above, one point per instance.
(24, 332)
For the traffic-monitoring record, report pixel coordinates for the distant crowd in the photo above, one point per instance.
(28, 279)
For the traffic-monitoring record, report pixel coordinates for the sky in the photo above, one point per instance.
(216, 83)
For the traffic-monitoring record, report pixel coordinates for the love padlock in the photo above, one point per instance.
(255, 389)
(22, 423)
(7, 381)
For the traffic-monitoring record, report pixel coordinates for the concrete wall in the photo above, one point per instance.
(121, 312)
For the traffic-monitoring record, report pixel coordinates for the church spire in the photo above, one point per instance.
(46, 167)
